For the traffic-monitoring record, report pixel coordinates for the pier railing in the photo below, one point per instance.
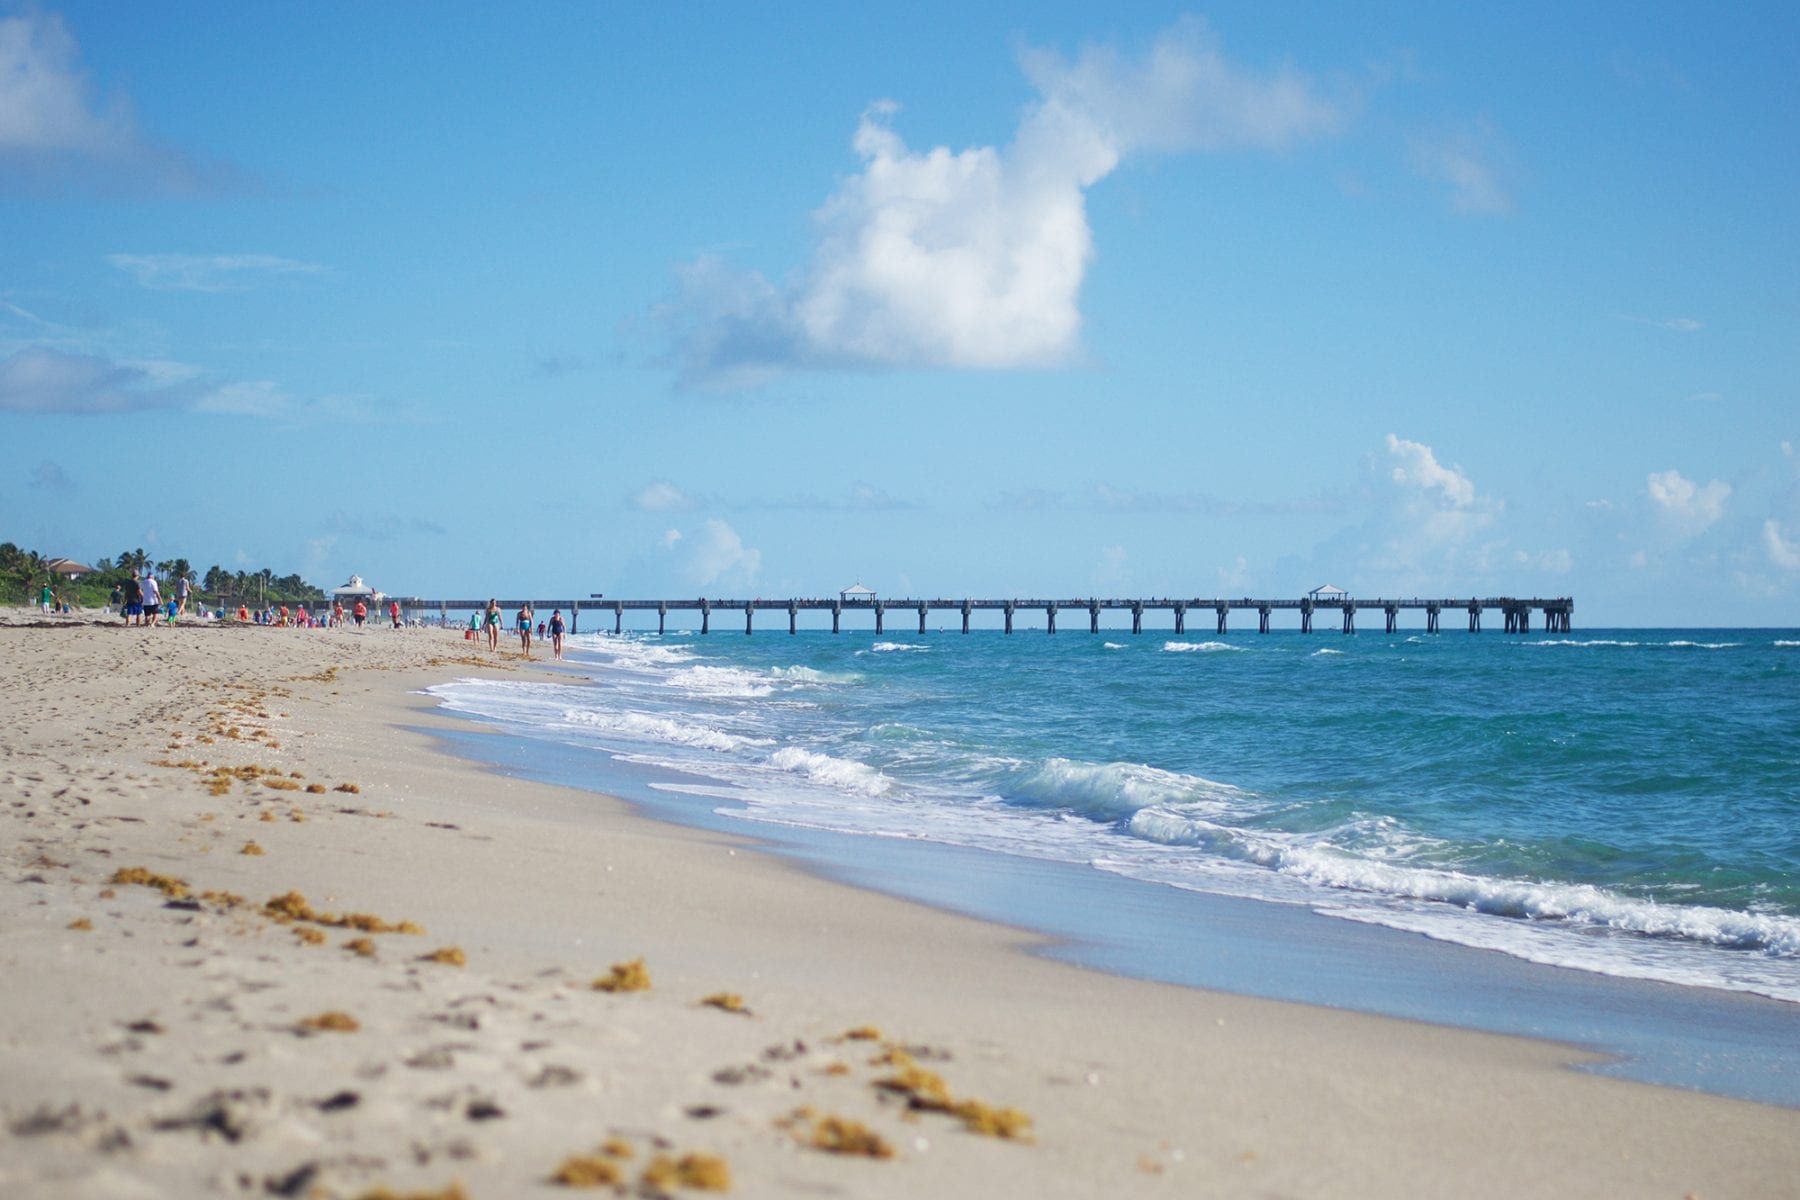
(1556, 614)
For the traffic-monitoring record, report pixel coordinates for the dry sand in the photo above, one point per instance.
(158, 1045)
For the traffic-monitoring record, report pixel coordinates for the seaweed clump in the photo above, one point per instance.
(588, 1171)
(841, 1135)
(449, 956)
(729, 1002)
(630, 976)
(452, 1191)
(702, 1172)
(168, 885)
(334, 1021)
(926, 1091)
(292, 906)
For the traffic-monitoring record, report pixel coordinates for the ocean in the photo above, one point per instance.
(1618, 804)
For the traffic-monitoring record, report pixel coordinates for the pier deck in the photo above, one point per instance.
(1557, 613)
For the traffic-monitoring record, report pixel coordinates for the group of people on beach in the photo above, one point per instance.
(139, 599)
(489, 620)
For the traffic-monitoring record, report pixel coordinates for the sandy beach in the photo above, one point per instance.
(260, 936)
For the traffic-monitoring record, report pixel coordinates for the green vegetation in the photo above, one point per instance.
(23, 573)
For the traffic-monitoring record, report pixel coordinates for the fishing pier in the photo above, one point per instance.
(1555, 615)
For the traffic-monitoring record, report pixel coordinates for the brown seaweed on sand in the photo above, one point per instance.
(729, 1002)
(588, 1171)
(702, 1172)
(168, 885)
(449, 956)
(334, 1021)
(630, 976)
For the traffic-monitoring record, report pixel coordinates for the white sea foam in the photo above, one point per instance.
(1120, 646)
(896, 647)
(1325, 653)
(661, 729)
(1707, 645)
(1198, 647)
(1790, 645)
(806, 675)
(1108, 791)
(1582, 644)
(720, 682)
(843, 773)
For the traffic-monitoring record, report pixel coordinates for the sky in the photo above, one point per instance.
(946, 299)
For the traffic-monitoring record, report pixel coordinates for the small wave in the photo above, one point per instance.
(808, 675)
(660, 729)
(1121, 645)
(720, 683)
(1707, 645)
(1107, 791)
(1582, 644)
(843, 773)
(1790, 645)
(1198, 647)
(1324, 653)
(893, 647)
(1574, 904)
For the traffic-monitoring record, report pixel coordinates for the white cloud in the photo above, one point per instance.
(39, 379)
(1783, 552)
(1424, 530)
(660, 496)
(1417, 468)
(55, 133)
(719, 555)
(975, 258)
(207, 272)
(670, 539)
(1686, 508)
(1470, 164)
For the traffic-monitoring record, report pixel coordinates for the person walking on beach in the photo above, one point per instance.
(47, 600)
(359, 613)
(134, 599)
(182, 587)
(394, 612)
(492, 621)
(152, 599)
(524, 620)
(556, 631)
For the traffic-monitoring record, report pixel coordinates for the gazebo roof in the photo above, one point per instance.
(857, 589)
(1327, 590)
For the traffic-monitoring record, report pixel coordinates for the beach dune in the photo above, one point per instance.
(260, 936)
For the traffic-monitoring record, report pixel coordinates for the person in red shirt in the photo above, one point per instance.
(360, 611)
(394, 612)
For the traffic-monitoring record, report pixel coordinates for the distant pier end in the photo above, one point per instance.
(1555, 615)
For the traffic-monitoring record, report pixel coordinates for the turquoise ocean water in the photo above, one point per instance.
(1622, 803)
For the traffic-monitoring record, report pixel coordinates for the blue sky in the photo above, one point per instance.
(996, 299)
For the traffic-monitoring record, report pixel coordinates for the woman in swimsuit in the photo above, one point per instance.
(525, 629)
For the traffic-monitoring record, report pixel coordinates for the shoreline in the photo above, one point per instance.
(1727, 1043)
(159, 1051)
